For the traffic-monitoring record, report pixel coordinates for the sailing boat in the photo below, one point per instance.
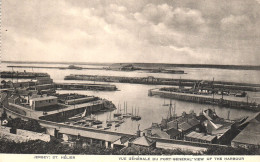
(90, 118)
(165, 104)
(79, 116)
(96, 122)
(136, 116)
(118, 111)
(126, 115)
(109, 122)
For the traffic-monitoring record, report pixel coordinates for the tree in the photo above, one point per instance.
(4, 115)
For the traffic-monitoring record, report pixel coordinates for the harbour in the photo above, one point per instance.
(133, 94)
(130, 78)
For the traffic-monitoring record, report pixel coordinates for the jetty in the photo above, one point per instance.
(229, 101)
(168, 81)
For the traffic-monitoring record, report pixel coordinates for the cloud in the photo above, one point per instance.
(180, 31)
(236, 23)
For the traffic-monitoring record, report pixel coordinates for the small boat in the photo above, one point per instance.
(121, 121)
(165, 104)
(117, 125)
(136, 116)
(126, 115)
(118, 111)
(90, 118)
(96, 122)
(87, 125)
(99, 126)
(106, 128)
(109, 124)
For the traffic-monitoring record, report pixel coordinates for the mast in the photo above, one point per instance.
(126, 107)
(174, 110)
(213, 89)
(170, 110)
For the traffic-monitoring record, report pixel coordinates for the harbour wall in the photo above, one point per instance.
(78, 86)
(168, 81)
(63, 115)
(204, 100)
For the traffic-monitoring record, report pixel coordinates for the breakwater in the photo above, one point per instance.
(168, 81)
(237, 103)
(58, 67)
(85, 86)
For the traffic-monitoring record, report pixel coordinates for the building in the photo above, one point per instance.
(250, 135)
(122, 142)
(156, 131)
(42, 102)
(144, 141)
(80, 100)
(44, 80)
(200, 137)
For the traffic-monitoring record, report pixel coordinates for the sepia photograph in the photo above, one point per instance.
(176, 79)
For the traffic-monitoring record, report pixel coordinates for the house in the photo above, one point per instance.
(122, 142)
(250, 135)
(200, 137)
(41, 102)
(144, 141)
(156, 131)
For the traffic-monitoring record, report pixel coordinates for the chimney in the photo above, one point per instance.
(138, 133)
(228, 115)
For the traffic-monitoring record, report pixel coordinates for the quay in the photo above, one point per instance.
(22, 75)
(232, 102)
(107, 138)
(168, 81)
(70, 134)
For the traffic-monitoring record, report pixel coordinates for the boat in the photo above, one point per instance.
(126, 115)
(165, 104)
(90, 118)
(136, 116)
(118, 111)
(99, 126)
(106, 128)
(117, 125)
(109, 121)
(96, 122)
(87, 125)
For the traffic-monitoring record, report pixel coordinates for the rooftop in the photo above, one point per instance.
(143, 141)
(200, 136)
(249, 135)
(43, 98)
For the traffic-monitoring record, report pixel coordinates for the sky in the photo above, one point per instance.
(154, 31)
